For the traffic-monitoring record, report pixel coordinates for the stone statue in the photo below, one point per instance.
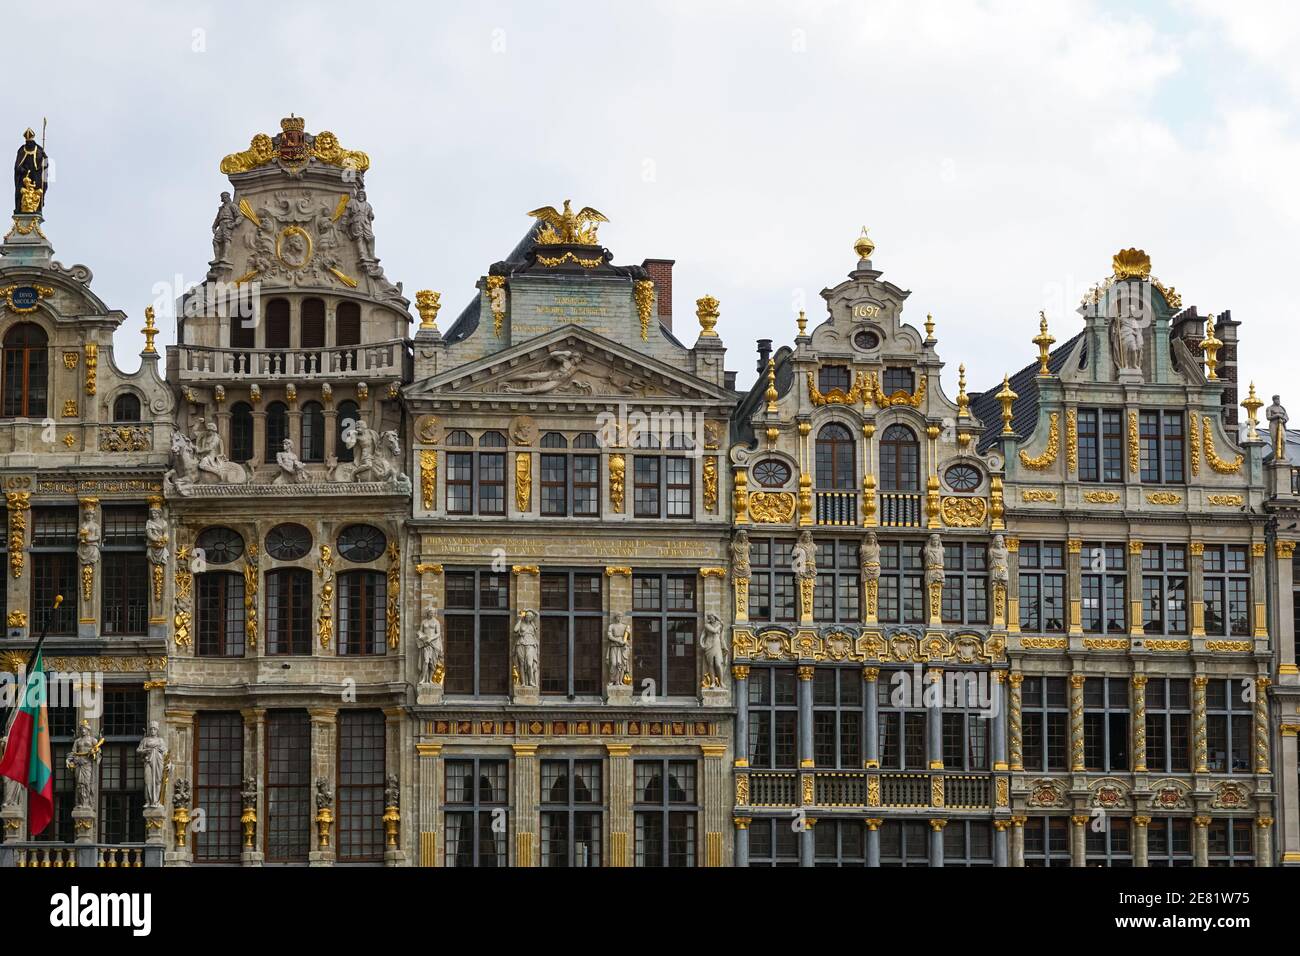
(715, 653)
(805, 556)
(155, 531)
(934, 560)
(324, 796)
(248, 792)
(1126, 339)
(431, 646)
(376, 456)
(223, 228)
(392, 791)
(361, 219)
(740, 555)
(12, 788)
(200, 458)
(81, 761)
(998, 560)
(618, 648)
(869, 557)
(31, 175)
(553, 378)
(292, 470)
(1277, 419)
(526, 648)
(88, 536)
(153, 752)
(181, 792)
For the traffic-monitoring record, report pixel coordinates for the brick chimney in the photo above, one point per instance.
(661, 274)
(1226, 329)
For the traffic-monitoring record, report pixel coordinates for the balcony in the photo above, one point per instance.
(850, 788)
(377, 360)
(65, 855)
(901, 509)
(836, 508)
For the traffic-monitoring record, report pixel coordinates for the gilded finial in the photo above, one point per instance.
(706, 310)
(929, 328)
(1210, 345)
(963, 400)
(1007, 398)
(1044, 341)
(802, 322)
(771, 394)
(149, 331)
(864, 247)
(427, 303)
(1252, 403)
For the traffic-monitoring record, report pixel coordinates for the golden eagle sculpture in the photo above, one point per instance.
(577, 228)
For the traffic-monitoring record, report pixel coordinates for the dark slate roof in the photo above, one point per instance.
(467, 321)
(1024, 383)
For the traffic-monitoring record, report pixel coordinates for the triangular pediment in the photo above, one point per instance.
(569, 363)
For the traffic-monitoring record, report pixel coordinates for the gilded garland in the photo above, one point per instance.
(325, 613)
(899, 397)
(19, 502)
(1211, 457)
(252, 566)
(643, 292)
(1048, 457)
(859, 392)
(428, 477)
(771, 507)
(393, 619)
(1072, 440)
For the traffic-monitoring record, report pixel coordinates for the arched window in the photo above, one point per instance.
(288, 611)
(361, 543)
(363, 597)
(835, 453)
(313, 432)
(288, 542)
(311, 331)
(900, 460)
(347, 331)
(241, 432)
(126, 408)
(218, 545)
(277, 429)
(348, 414)
(277, 324)
(26, 371)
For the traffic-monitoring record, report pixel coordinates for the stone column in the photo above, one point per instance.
(1076, 723)
(621, 793)
(88, 576)
(1200, 738)
(1288, 797)
(1018, 841)
(1139, 723)
(254, 761)
(999, 729)
(934, 720)
(742, 840)
(259, 438)
(295, 430)
(1262, 729)
(740, 684)
(873, 841)
(1074, 585)
(807, 846)
(717, 802)
(1264, 841)
(178, 731)
(331, 431)
(1134, 568)
(324, 730)
(1079, 839)
(1140, 824)
(936, 842)
(1015, 733)
(223, 426)
(428, 774)
(1200, 841)
(1000, 850)
(526, 820)
(395, 764)
(806, 673)
(871, 759)
(1196, 583)
(1284, 624)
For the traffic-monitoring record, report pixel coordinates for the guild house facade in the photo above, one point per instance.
(543, 588)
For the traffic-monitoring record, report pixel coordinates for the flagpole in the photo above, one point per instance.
(31, 659)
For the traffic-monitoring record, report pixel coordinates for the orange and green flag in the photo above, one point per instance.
(27, 753)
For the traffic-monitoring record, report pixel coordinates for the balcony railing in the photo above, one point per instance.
(900, 509)
(850, 788)
(374, 360)
(45, 855)
(836, 507)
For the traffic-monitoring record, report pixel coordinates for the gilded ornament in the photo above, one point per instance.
(1038, 494)
(617, 469)
(706, 310)
(428, 476)
(70, 360)
(1006, 396)
(1226, 500)
(963, 512)
(1210, 345)
(19, 503)
(393, 617)
(643, 293)
(565, 227)
(1133, 446)
(552, 262)
(17, 619)
(1071, 440)
(252, 575)
(771, 507)
(899, 397)
(1220, 465)
(118, 438)
(260, 152)
(92, 366)
(1164, 498)
(183, 596)
(523, 481)
(863, 246)
(1101, 497)
(710, 482)
(328, 151)
(1044, 341)
(837, 396)
(1048, 457)
(325, 610)
(1194, 447)
(771, 394)
(1252, 403)
(427, 303)
(496, 293)
(246, 210)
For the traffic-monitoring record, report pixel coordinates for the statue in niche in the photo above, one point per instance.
(88, 536)
(526, 648)
(998, 557)
(223, 228)
(869, 557)
(155, 532)
(714, 650)
(324, 796)
(618, 649)
(804, 559)
(740, 555)
(1126, 338)
(153, 753)
(431, 646)
(81, 761)
(934, 560)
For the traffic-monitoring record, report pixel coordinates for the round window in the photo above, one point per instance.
(771, 473)
(866, 340)
(288, 542)
(361, 542)
(962, 477)
(219, 545)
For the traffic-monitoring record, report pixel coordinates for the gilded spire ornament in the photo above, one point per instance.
(149, 331)
(1252, 403)
(963, 400)
(771, 394)
(1007, 398)
(1210, 345)
(802, 322)
(427, 303)
(1044, 341)
(864, 247)
(929, 329)
(706, 310)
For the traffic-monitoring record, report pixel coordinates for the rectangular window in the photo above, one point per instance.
(1231, 842)
(121, 773)
(902, 583)
(666, 812)
(572, 812)
(1042, 587)
(773, 718)
(1229, 714)
(1047, 841)
(898, 380)
(478, 633)
(361, 786)
(1101, 444)
(218, 778)
(1112, 845)
(665, 619)
(572, 613)
(363, 609)
(965, 739)
(124, 572)
(772, 587)
(1227, 590)
(839, 843)
(968, 843)
(477, 799)
(904, 843)
(663, 487)
(838, 718)
(774, 843)
(1169, 841)
(1161, 444)
(1045, 720)
(1105, 724)
(287, 834)
(1164, 589)
(901, 725)
(965, 584)
(54, 569)
(1103, 586)
(219, 609)
(289, 626)
(836, 593)
(1169, 725)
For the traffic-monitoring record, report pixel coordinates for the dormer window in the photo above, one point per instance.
(898, 380)
(833, 376)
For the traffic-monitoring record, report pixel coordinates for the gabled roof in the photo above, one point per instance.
(742, 425)
(467, 321)
(1024, 383)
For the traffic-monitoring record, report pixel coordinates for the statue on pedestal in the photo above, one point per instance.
(618, 648)
(153, 752)
(431, 647)
(81, 761)
(223, 228)
(526, 648)
(31, 175)
(1277, 419)
(715, 653)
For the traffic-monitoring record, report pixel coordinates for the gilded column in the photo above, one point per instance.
(620, 804)
(717, 803)
(1262, 760)
(1076, 722)
(428, 774)
(1015, 733)
(871, 758)
(1013, 585)
(1264, 841)
(1079, 839)
(873, 841)
(999, 721)
(1135, 615)
(525, 800)
(1200, 738)
(324, 725)
(1140, 824)
(1074, 585)
(1196, 580)
(1288, 797)
(1139, 723)
(1284, 624)
(1200, 841)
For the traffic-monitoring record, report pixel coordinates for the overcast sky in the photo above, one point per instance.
(999, 152)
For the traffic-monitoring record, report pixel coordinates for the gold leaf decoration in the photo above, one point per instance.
(1048, 457)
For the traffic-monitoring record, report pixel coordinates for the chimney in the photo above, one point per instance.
(1226, 329)
(764, 354)
(729, 380)
(661, 274)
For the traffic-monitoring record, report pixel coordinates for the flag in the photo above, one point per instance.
(27, 754)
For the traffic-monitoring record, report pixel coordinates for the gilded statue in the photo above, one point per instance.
(567, 226)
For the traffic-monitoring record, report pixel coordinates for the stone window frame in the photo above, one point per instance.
(670, 812)
(766, 715)
(1113, 707)
(570, 807)
(474, 807)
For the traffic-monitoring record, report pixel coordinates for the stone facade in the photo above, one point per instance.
(544, 589)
